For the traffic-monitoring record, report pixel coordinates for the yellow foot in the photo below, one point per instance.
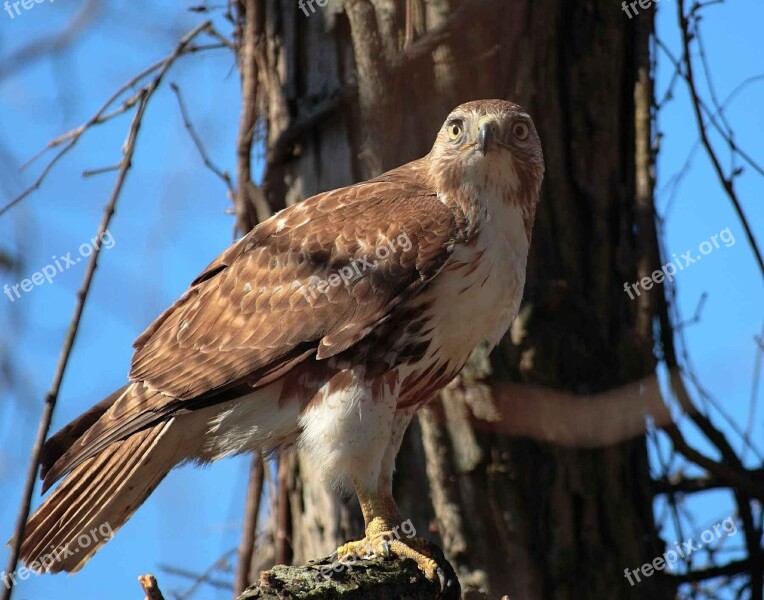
(387, 544)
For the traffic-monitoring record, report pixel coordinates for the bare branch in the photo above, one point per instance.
(200, 146)
(212, 32)
(251, 206)
(70, 138)
(712, 120)
(733, 477)
(52, 396)
(249, 529)
(281, 148)
(757, 370)
(691, 485)
(101, 170)
(425, 45)
(283, 537)
(205, 577)
(737, 567)
(197, 578)
(727, 182)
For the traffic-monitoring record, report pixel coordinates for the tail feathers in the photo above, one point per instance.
(98, 497)
(60, 443)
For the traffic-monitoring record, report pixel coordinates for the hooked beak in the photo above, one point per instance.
(486, 134)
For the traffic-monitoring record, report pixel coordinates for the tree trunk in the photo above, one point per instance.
(362, 86)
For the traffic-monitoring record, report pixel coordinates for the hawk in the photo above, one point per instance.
(326, 326)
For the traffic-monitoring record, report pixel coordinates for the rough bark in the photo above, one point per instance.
(356, 88)
(324, 579)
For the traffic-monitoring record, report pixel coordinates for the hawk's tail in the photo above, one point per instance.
(97, 498)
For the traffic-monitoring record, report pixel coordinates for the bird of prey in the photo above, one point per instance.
(326, 326)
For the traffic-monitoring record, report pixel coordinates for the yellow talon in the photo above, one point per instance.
(386, 545)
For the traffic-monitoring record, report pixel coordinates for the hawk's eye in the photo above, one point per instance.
(520, 130)
(455, 129)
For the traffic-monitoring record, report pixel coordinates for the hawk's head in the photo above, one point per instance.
(489, 145)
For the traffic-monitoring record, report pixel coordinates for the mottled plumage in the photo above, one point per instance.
(268, 348)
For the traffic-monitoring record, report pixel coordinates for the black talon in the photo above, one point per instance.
(442, 579)
(450, 589)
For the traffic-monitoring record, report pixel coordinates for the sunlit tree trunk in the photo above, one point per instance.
(361, 86)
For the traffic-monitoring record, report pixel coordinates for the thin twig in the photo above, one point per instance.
(249, 532)
(283, 538)
(70, 138)
(673, 182)
(211, 31)
(733, 568)
(726, 182)
(730, 467)
(52, 396)
(141, 99)
(672, 314)
(220, 563)
(714, 435)
(696, 317)
(712, 115)
(740, 480)
(101, 170)
(200, 146)
(757, 370)
(197, 578)
(668, 484)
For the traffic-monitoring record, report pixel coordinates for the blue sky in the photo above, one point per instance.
(171, 221)
(721, 345)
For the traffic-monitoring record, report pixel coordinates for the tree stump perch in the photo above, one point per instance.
(368, 579)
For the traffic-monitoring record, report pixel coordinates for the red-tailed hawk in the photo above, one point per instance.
(328, 326)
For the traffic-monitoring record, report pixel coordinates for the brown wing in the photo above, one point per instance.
(252, 314)
(259, 305)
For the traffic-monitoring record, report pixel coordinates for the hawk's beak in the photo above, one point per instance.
(486, 135)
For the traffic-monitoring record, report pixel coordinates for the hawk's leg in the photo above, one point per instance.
(386, 536)
(386, 533)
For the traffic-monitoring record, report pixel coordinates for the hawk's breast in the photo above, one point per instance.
(474, 298)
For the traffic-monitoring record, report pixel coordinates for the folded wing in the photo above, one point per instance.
(272, 300)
